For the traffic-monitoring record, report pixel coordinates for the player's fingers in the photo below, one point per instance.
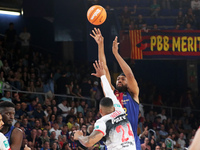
(94, 66)
(93, 32)
(96, 30)
(93, 74)
(26, 145)
(99, 31)
(97, 64)
(92, 35)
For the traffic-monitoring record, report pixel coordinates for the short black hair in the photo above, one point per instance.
(106, 102)
(4, 104)
(122, 74)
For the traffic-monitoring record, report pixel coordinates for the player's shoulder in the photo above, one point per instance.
(17, 131)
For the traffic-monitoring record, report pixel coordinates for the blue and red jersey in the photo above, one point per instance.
(131, 107)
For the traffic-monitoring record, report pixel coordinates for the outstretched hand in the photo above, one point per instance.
(97, 36)
(115, 46)
(98, 66)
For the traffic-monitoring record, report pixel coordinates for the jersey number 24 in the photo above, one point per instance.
(130, 133)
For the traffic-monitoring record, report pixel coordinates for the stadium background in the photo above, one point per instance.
(60, 36)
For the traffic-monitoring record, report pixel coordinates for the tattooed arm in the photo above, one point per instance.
(88, 141)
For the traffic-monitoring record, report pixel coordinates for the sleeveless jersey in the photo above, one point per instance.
(8, 134)
(131, 107)
(117, 131)
(116, 128)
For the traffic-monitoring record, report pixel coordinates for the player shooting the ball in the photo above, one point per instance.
(127, 90)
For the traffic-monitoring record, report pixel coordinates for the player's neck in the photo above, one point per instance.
(5, 129)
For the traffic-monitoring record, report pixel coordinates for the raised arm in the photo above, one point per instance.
(101, 54)
(88, 141)
(100, 72)
(131, 81)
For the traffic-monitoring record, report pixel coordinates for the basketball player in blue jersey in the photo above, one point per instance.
(127, 90)
(14, 135)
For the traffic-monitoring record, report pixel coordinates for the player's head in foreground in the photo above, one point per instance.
(121, 83)
(7, 110)
(106, 106)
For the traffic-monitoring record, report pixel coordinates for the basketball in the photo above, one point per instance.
(96, 15)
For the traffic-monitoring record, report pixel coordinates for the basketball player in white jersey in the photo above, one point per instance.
(113, 127)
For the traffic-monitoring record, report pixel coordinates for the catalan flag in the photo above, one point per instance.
(135, 38)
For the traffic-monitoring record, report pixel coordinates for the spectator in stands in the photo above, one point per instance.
(45, 136)
(60, 121)
(70, 123)
(25, 39)
(81, 107)
(180, 18)
(144, 27)
(46, 146)
(150, 116)
(145, 145)
(54, 146)
(190, 17)
(55, 128)
(153, 144)
(155, 27)
(65, 131)
(181, 141)
(162, 115)
(163, 133)
(195, 5)
(72, 143)
(140, 21)
(177, 27)
(49, 86)
(7, 97)
(39, 113)
(16, 98)
(132, 25)
(155, 8)
(157, 147)
(163, 146)
(66, 146)
(26, 126)
(144, 135)
(52, 137)
(72, 105)
(10, 37)
(188, 26)
(63, 107)
(125, 17)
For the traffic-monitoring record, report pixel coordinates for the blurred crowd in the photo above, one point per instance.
(48, 121)
(186, 19)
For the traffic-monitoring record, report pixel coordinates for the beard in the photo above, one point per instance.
(7, 125)
(121, 88)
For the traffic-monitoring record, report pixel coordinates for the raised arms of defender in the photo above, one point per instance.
(100, 72)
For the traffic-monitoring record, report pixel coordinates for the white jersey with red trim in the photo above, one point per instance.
(115, 127)
(4, 145)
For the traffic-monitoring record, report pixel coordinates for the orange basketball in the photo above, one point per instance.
(96, 15)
